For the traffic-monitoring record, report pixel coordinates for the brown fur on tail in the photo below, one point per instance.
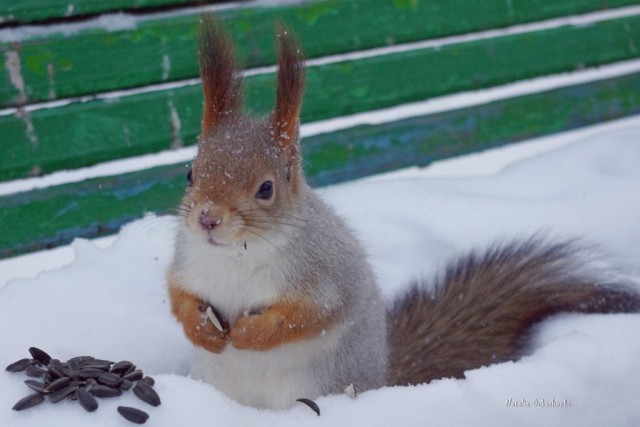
(482, 309)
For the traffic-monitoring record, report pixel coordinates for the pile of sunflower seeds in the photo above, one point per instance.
(83, 378)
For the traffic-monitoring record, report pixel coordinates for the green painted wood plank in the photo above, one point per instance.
(82, 134)
(28, 11)
(157, 50)
(49, 217)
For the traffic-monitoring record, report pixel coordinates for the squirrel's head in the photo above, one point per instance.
(246, 178)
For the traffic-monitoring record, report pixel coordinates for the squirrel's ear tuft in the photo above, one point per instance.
(220, 80)
(290, 89)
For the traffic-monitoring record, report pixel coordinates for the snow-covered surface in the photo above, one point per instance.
(111, 302)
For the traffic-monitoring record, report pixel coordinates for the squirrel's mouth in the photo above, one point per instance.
(214, 242)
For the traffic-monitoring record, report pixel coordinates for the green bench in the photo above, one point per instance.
(78, 89)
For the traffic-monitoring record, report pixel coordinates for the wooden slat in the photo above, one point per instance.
(82, 134)
(44, 218)
(91, 61)
(28, 11)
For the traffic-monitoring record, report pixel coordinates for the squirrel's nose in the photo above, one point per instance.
(209, 222)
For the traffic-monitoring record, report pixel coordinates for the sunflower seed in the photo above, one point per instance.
(122, 367)
(28, 402)
(311, 404)
(215, 318)
(111, 380)
(146, 393)
(55, 368)
(98, 364)
(19, 366)
(134, 415)
(101, 362)
(126, 385)
(40, 355)
(86, 400)
(79, 383)
(149, 380)
(133, 375)
(62, 394)
(73, 364)
(58, 384)
(78, 362)
(85, 373)
(70, 372)
(104, 391)
(36, 386)
(132, 368)
(34, 371)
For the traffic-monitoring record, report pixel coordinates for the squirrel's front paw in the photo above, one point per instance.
(199, 329)
(258, 332)
(191, 312)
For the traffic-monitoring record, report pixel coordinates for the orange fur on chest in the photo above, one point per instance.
(289, 320)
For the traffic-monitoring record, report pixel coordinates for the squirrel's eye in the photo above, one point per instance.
(190, 177)
(265, 191)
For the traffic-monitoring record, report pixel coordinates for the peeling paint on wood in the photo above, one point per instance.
(100, 206)
(37, 10)
(85, 130)
(99, 60)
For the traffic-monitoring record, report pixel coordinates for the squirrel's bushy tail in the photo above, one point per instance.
(482, 309)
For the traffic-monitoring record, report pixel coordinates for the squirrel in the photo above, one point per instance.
(300, 313)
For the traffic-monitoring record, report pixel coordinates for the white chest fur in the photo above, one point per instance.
(235, 281)
(232, 280)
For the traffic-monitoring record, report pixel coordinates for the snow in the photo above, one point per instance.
(111, 302)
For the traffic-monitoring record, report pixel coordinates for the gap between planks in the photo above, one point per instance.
(574, 20)
(404, 111)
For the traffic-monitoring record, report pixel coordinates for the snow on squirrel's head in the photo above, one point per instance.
(246, 178)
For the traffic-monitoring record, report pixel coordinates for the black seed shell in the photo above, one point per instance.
(74, 364)
(62, 394)
(134, 415)
(86, 400)
(90, 373)
(149, 380)
(70, 372)
(98, 365)
(146, 393)
(112, 380)
(36, 386)
(122, 367)
(133, 375)
(104, 391)
(78, 362)
(56, 369)
(34, 371)
(28, 402)
(58, 384)
(311, 404)
(19, 366)
(40, 355)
